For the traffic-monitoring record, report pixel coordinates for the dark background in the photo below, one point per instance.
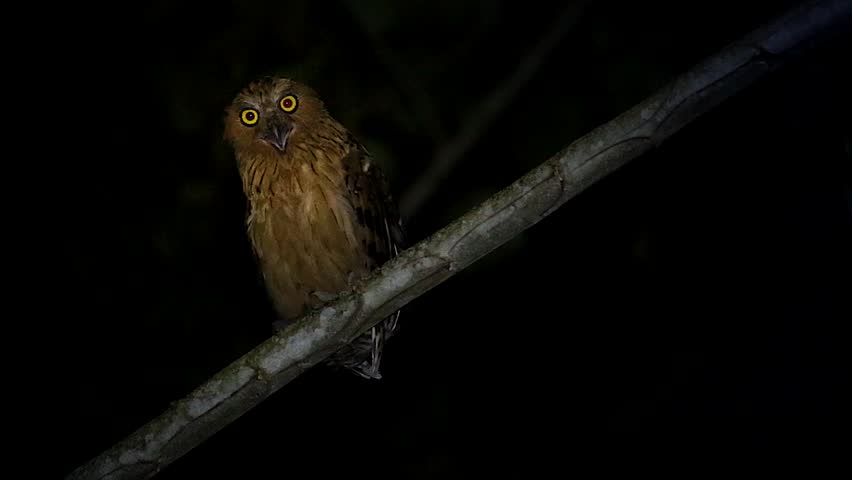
(692, 304)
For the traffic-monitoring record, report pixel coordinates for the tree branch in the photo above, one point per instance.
(277, 361)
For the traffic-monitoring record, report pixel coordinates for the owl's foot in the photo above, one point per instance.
(354, 278)
(280, 325)
(324, 297)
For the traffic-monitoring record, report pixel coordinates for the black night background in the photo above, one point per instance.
(692, 305)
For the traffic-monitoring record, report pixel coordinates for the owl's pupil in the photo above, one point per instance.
(288, 103)
(250, 116)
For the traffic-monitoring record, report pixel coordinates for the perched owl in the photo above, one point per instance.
(320, 211)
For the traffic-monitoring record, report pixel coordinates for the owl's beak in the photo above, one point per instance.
(276, 134)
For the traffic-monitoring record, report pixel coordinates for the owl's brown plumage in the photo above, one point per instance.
(321, 213)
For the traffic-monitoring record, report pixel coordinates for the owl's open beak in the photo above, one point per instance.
(276, 134)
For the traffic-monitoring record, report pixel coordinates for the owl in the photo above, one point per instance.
(320, 211)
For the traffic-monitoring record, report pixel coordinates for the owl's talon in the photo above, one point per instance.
(280, 325)
(324, 297)
(354, 278)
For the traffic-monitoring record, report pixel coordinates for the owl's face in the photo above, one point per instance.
(271, 115)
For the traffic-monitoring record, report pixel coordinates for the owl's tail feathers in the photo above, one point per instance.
(371, 345)
(365, 370)
(369, 369)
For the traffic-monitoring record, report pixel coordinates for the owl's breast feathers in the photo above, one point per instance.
(320, 216)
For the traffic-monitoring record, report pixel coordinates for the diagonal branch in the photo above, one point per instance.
(262, 371)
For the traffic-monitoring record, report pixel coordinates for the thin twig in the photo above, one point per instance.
(412, 88)
(264, 370)
(490, 109)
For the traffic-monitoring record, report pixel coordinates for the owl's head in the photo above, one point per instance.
(271, 114)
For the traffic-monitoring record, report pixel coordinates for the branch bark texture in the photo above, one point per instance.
(284, 356)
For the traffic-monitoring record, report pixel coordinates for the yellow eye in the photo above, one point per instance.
(249, 116)
(288, 103)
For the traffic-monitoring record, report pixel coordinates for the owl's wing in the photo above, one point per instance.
(382, 236)
(375, 209)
